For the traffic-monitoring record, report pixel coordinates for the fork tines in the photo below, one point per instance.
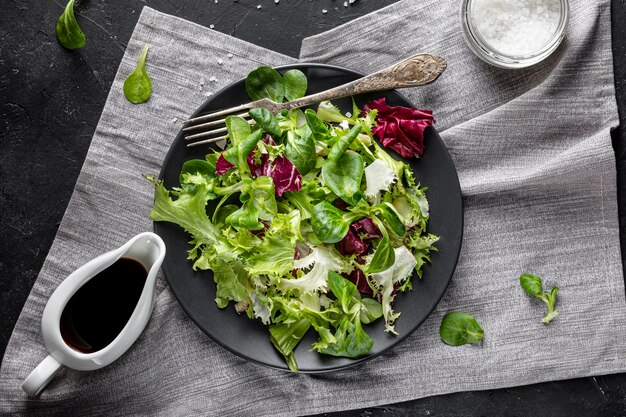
(215, 120)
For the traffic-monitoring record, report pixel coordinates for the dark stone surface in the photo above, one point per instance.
(50, 102)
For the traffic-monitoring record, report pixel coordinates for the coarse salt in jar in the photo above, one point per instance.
(514, 33)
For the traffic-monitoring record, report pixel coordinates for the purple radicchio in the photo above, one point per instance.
(400, 128)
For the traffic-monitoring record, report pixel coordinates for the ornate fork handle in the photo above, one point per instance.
(412, 72)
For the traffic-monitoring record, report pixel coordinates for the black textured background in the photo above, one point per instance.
(50, 103)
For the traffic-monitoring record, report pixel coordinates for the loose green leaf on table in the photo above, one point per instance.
(68, 32)
(459, 329)
(137, 86)
(295, 84)
(533, 285)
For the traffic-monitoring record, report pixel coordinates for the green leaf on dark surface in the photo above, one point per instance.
(459, 328)
(286, 336)
(295, 84)
(320, 130)
(265, 82)
(68, 32)
(137, 86)
(390, 218)
(344, 175)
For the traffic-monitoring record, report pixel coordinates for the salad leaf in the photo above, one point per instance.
(329, 223)
(265, 82)
(68, 32)
(266, 120)
(273, 257)
(295, 83)
(137, 86)
(421, 246)
(352, 340)
(378, 177)
(390, 218)
(286, 336)
(533, 285)
(386, 280)
(400, 128)
(459, 329)
(195, 172)
(319, 129)
(343, 171)
(384, 256)
(231, 284)
(300, 149)
(371, 310)
(323, 261)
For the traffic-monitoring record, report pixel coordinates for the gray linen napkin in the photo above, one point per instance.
(537, 172)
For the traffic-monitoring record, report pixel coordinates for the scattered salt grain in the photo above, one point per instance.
(230, 56)
(348, 114)
(220, 61)
(276, 1)
(258, 7)
(211, 26)
(213, 79)
(345, 4)
(324, 11)
(208, 94)
(175, 119)
(517, 27)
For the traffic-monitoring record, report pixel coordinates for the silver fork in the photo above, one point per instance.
(412, 72)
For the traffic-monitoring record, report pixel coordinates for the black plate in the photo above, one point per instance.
(249, 339)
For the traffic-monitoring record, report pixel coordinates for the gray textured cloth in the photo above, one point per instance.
(537, 171)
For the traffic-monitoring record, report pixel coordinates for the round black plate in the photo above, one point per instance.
(249, 339)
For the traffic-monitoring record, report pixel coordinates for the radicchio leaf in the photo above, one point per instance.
(222, 165)
(358, 278)
(351, 244)
(400, 128)
(357, 239)
(285, 175)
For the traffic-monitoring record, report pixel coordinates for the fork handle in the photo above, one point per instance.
(412, 72)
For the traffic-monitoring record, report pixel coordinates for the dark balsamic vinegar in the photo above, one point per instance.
(100, 309)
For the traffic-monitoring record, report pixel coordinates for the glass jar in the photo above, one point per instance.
(503, 59)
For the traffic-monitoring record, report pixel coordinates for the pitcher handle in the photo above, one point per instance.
(41, 376)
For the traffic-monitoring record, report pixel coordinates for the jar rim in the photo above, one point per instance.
(488, 53)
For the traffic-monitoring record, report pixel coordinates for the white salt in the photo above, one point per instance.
(517, 27)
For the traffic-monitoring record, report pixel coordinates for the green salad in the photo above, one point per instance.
(316, 226)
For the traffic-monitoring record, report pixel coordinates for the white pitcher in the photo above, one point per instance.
(146, 248)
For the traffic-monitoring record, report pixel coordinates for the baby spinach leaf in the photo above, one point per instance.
(295, 83)
(300, 149)
(329, 223)
(265, 82)
(137, 86)
(266, 120)
(390, 217)
(459, 329)
(318, 127)
(68, 32)
(384, 255)
(532, 284)
(343, 176)
(238, 129)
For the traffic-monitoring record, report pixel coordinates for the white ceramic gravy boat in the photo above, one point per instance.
(149, 250)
